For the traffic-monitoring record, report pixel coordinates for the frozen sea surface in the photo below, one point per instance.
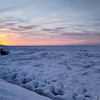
(58, 72)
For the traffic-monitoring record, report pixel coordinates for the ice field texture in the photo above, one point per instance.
(56, 72)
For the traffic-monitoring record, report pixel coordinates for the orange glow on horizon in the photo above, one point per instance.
(34, 44)
(2, 43)
(41, 43)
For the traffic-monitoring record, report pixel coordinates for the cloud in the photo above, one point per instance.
(54, 29)
(17, 29)
(55, 22)
(14, 28)
(4, 10)
(97, 25)
(97, 19)
(28, 27)
(85, 35)
(1, 26)
(12, 19)
(10, 24)
(59, 28)
(47, 29)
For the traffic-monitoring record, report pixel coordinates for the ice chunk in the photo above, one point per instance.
(49, 94)
(21, 73)
(84, 73)
(97, 70)
(98, 98)
(44, 54)
(68, 96)
(79, 90)
(88, 94)
(66, 87)
(29, 87)
(55, 79)
(87, 98)
(59, 83)
(58, 90)
(11, 77)
(19, 81)
(45, 81)
(3, 74)
(49, 87)
(46, 91)
(27, 79)
(40, 84)
(34, 83)
(80, 97)
(41, 90)
(33, 76)
(59, 97)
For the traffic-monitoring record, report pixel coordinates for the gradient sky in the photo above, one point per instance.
(50, 22)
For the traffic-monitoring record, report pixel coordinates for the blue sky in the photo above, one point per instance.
(50, 22)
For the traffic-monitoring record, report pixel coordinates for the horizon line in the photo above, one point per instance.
(59, 45)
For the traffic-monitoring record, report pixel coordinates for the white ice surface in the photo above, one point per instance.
(42, 68)
(9, 91)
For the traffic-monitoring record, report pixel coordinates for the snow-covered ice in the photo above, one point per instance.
(57, 72)
(13, 92)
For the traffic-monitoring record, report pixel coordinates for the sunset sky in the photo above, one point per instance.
(50, 22)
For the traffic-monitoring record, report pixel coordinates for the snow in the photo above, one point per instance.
(56, 72)
(13, 92)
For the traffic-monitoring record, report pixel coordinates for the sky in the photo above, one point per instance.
(50, 22)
